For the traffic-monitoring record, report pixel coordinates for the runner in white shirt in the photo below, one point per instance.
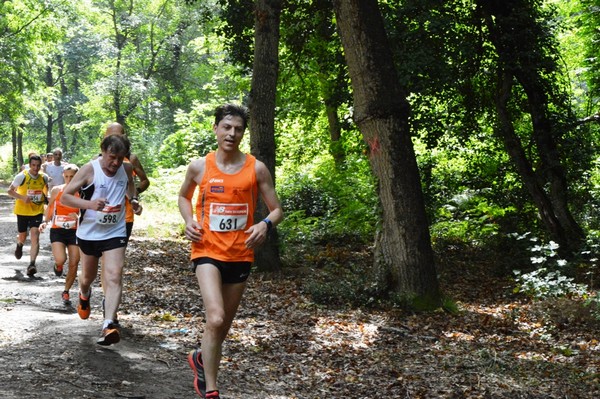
(104, 184)
(55, 169)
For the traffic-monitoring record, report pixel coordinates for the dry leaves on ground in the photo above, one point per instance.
(498, 346)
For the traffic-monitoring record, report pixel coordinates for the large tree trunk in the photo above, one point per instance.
(404, 259)
(262, 101)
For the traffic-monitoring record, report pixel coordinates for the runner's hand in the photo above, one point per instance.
(193, 231)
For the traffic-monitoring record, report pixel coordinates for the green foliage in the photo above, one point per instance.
(552, 276)
(193, 138)
(322, 203)
(160, 204)
(469, 217)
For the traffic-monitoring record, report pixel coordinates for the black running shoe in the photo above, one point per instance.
(19, 251)
(195, 361)
(31, 270)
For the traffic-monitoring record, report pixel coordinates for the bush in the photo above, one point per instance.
(327, 204)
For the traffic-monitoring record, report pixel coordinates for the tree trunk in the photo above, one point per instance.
(263, 95)
(404, 259)
(516, 38)
(17, 152)
(64, 93)
(49, 117)
(515, 150)
(331, 84)
(552, 168)
(335, 133)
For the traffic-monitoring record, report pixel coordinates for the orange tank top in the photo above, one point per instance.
(225, 209)
(62, 218)
(128, 206)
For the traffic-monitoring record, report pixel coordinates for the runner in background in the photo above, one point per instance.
(63, 221)
(103, 183)
(29, 188)
(139, 175)
(54, 169)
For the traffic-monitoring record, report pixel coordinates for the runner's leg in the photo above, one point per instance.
(112, 267)
(221, 303)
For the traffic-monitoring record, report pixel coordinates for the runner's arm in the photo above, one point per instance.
(12, 190)
(131, 191)
(192, 178)
(258, 232)
(83, 178)
(144, 182)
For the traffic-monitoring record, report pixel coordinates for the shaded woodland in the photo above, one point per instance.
(405, 129)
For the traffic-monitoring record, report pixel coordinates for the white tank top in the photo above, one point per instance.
(110, 222)
(56, 173)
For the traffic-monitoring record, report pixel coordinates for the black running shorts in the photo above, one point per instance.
(66, 236)
(96, 248)
(231, 272)
(28, 222)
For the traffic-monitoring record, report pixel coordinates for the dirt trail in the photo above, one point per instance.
(46, 351)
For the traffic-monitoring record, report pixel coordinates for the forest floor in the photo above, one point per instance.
(283, 345)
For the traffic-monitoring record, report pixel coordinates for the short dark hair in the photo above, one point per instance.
(34, 157)
(116, 144)
(233, 110)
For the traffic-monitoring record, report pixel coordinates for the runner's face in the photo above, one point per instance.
(68, 175)
(111, 162)
(34, 167)
(229, 131)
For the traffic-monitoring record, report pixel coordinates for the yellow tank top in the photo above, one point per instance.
(37, 190)
(225, 209)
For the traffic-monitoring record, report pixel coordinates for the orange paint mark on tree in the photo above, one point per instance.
(374, 146)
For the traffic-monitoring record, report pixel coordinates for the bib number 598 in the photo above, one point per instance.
(108, 219)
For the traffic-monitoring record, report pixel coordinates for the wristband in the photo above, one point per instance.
(269, 224)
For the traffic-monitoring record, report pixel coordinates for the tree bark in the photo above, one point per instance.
(263, 95)
(404, 259)
(515, 150)
(49, 117)
(516, 38)
(17, 152)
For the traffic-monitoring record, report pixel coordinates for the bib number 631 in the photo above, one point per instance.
(228, 217)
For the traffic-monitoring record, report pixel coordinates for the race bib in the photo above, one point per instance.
(109, 215)
(228, 217)
(36, 196)
(66, 222)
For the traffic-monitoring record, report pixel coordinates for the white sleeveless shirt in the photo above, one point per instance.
(56, 173)
(110, 222)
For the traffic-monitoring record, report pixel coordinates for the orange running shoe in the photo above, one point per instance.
(195, 361)
(83, 308)
(110, 335)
